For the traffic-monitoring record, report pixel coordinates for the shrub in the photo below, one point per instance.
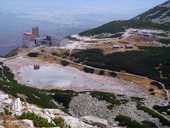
(156, 84)
(148, 124)
(37, 120)
(33, 54)
(113, 74)
(59, 121)
(162, 108)
(108, 97)
(101, 72)
(88, 70)
(64, 97)
(7, 112)
(153, 93)
(163, 120)
(151, 89)
(126, 121)
(64, 63)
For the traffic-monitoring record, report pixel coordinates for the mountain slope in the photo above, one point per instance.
(155, 18)
(159, 14)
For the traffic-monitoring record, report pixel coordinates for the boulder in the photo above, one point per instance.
(76, 123)
(95, 121)
(2, 126)
(23, 123)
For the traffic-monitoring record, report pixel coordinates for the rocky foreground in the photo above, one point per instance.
(11, 107)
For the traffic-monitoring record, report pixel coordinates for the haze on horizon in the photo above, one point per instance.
(62, 17)
(76, 12)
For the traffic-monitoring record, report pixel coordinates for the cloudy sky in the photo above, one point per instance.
(76, 12)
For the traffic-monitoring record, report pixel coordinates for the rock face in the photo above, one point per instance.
(76, 123)
(84, 105)
(23, 123)
(95, 121)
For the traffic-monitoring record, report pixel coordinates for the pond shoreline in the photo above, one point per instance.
(104, 83)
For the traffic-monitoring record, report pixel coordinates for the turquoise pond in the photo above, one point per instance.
(57, 76)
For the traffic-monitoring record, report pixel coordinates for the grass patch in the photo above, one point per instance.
(163, 120)
(129, 123)
(141, 62)
(60, 122)
(109, 98)
(37, 120)
(101, 72)
(164, 41)
(61, 53)
(162, 109)
(64, 97)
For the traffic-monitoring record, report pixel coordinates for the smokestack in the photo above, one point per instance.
(35, 31)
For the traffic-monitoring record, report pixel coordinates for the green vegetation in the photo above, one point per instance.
(148, 124)
(140, 106)
(153, 113)
(143, 62)
(141, 21)
(60, 122)
(126, 121)
(101, 72)
(7, 112)
(113, 74)
(33, 54)
(164, 41)
(120, 26)
(64, 63)
(59, 53)
(162, 109)
(64, 97)
(88, 70)
(109, 98)
(37, 120)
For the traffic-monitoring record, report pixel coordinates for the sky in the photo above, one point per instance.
(74, 11)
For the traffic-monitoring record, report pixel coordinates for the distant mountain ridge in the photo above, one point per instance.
(159, 14)
(155, 18)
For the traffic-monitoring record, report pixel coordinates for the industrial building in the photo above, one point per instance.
(32, 39)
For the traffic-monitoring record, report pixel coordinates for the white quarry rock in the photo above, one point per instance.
(95, 121)
(8, 101)
(3, 97)
(2, 126)
(54, 111)
(23, 123)
(76, 123)
(17, 107)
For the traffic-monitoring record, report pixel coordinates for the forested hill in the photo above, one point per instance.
(155, 18)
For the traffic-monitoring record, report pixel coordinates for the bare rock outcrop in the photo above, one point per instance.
(95, 121)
